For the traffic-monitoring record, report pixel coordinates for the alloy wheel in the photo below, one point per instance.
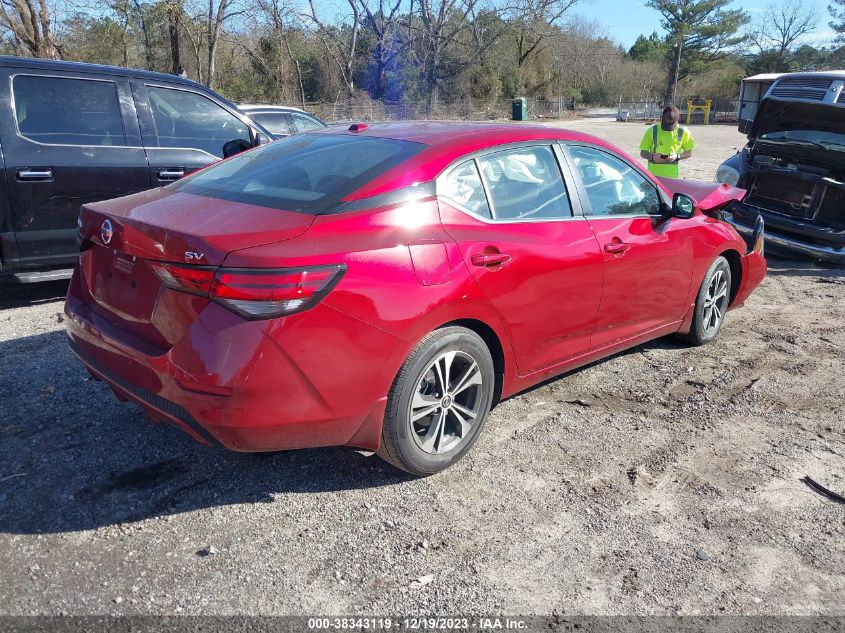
(446, 402)
(715, 302)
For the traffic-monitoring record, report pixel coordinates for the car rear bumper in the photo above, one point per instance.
(248, 385)
(779, 243)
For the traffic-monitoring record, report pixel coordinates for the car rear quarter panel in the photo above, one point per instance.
(385, 287)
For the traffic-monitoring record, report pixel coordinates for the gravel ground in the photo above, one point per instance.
(664, 480)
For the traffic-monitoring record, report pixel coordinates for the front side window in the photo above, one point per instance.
(273, 122)
(189, 120)
(308, 173)
(61, 111)
(613, 187)
(526, 183)
(304, 123)
(463, 186)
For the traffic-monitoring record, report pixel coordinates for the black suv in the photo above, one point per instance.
(74, 133)
(794, 167)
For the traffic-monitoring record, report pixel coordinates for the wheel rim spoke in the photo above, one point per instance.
(471, 377)
(431, 440)
(421, 413)
(464, 424)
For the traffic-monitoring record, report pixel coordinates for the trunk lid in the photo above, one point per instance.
(709, 196)
(182, 227)
(120, 236)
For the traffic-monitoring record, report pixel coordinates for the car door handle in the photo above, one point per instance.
(617, 248)
(171, 173)
(490, 259)
(37, 174)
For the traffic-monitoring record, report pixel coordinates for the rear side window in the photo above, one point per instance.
(273, 122)
(304, 123)
(463, 186)
(526, 184)
(61, 111)
(308, 174)
(189, 120)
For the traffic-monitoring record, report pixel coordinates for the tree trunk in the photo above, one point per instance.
(298, 70)
(148, 49)
(212, 54)
(674, 70)
(175, 54)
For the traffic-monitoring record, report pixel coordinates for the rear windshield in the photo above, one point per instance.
(307, 173)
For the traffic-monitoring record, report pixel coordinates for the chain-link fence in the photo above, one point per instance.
(467, 109)
(721, 110)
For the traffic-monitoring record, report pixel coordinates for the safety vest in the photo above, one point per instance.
(654, 137)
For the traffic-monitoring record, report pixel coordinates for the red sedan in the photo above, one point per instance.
(384, 286)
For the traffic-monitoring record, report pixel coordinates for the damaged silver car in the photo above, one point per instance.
(793, 167)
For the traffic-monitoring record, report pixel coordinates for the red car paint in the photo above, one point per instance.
(548, 296)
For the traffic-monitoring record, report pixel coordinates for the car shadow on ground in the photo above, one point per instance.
(74, 458)
(15, 295)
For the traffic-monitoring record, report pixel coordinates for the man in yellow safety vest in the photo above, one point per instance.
(666, 143)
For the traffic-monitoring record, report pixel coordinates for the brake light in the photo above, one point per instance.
(193, 279)
(254, 293)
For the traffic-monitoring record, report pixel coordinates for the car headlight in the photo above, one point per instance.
(727, 174)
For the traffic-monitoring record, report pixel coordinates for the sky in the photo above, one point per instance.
(625, 21)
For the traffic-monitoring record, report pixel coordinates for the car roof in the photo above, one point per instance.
(447, 133)
(807, 74)
(85, 67)
(264, 106)
(10, 61)
(447, 142)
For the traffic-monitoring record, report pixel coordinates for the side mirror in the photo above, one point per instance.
(682, 206)
(235, 147)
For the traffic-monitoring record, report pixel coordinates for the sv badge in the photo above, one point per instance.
(192, 256)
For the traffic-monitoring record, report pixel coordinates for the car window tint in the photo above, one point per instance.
(190, 120)
(68, 111)
(526, 183)
(304, 123)
(275, 122)
(613, 187)
(463, 186)
(308, 173)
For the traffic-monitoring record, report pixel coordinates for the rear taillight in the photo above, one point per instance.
(193, 279)
(254, 293)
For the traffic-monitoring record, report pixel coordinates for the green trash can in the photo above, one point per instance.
(520, 109)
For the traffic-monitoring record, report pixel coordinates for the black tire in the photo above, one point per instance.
(706, 323)
(418, 386)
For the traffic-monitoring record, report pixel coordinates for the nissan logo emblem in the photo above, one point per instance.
(106, 232)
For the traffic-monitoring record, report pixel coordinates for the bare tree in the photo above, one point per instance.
(382, 18)
(216, 18)
(30, 27)
(145, 31)
(174, 11)
(443, 22)
(780, 27)
(340, 43)
(281, 18)
(203, 31)
(535, 22)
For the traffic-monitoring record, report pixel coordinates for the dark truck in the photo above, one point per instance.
(793, 167)
(73, 133)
